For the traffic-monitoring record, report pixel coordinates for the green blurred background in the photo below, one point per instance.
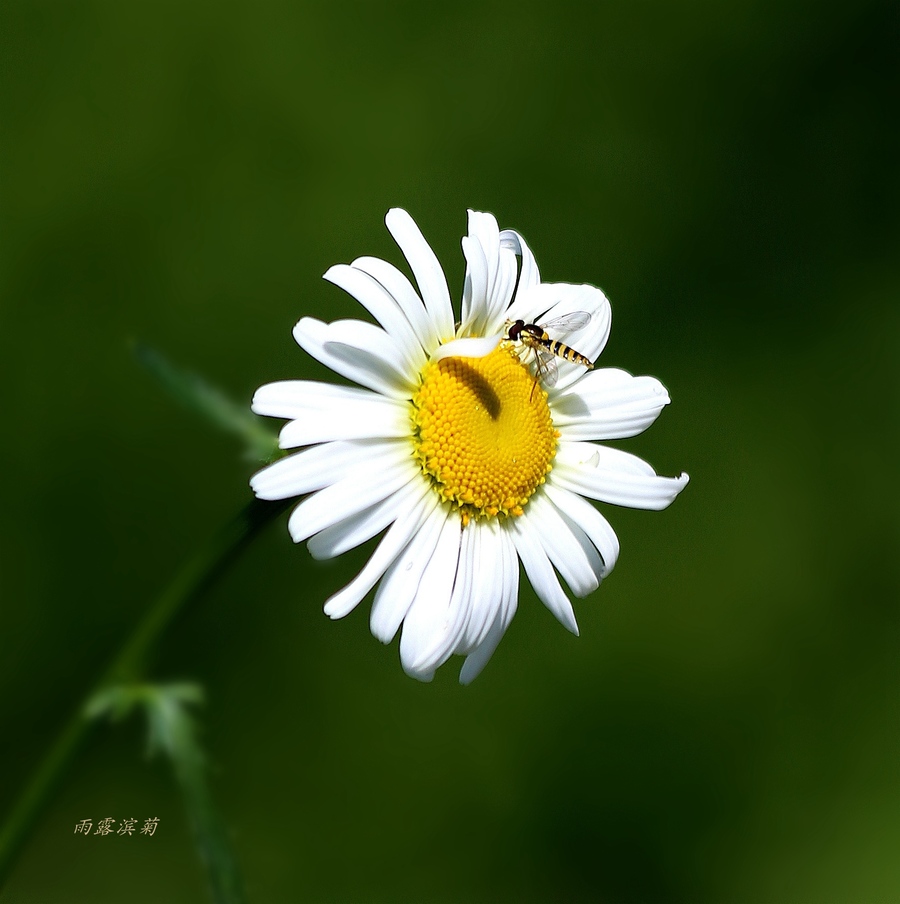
(726, 727)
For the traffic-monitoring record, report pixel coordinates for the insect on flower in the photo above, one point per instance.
(547, 350)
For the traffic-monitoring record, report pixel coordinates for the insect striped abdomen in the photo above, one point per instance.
(564, 351)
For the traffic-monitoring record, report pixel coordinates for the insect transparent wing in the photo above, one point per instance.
(560, 326)
(546, 370)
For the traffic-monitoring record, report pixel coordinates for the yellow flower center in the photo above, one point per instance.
(483, 432)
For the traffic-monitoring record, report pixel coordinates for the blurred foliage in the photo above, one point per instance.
(172, 731)
(725, 726)
(201, 397)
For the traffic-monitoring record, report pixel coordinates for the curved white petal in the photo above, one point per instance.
(469, 579)
(535, 304)
(349, 353)
(502, 293)
(300, 398)
(379, 302)
(501, 270)
(601, 458)
(401, 581)
(382, 419)
(438, 613)
(407, 526)
(475, 287)
(484, 231)
(594, 560)
(576, 560)
(361, 340)
(467, 348)
(487, 589)
(540, 573)
(324, 412)
(608, 404)
(363, 525)
(490, 276)
(401, 289)
(509, 600)
(310, 470)
(613, 476)
(346, 497)
(579, 511)
(480, 656)
(529, 275)
(425, 267)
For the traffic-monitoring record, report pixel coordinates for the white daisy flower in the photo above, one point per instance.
(472, 445)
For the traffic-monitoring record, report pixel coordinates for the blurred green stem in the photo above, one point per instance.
(196, 576)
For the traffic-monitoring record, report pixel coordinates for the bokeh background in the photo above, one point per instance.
(726, 727)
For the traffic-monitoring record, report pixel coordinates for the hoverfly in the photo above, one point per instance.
(547, 350)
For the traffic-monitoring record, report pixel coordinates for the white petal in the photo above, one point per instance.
(305, 432)
(407, 526)
(382, 419)
(383, 307)
(579, 511)
(510, 565)
(602, 458)
(483, 228)
(487, 591)
(613, 476)
(425, 267)
(401, 289)
(467, 348)
(593, 558)
(501, 270)
(352, 494)
(575, 559)
(485, 232)
(490, 276)
(398, 588)
(479, 657)
(475, 286)
(297, 398)
(609, 404)
(469, 581)
(362, 526)
(509, 600)
(370, 359)
(360, 339)
(502, 293)
(313, 469)
(529, 275)
(437, 615)
(541, 574)
(533, 305)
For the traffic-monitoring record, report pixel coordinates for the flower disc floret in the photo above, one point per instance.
(483, 433)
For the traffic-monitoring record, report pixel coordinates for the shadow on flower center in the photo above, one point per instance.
(482, 435)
